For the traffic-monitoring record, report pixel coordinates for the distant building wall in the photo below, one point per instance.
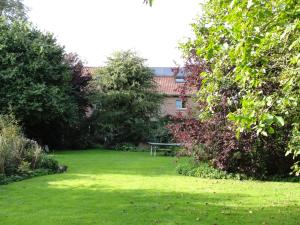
(169, 85)
(168, 107)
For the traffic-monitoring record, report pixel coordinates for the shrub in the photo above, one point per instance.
(159, 131)
(20, 157)
(246, 55)
(19, 177)
(125, 147)
(47, 162)
(12, 145)
(204, 170)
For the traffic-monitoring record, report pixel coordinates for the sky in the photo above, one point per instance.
(96, 28)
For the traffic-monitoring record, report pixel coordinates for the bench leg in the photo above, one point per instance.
(155, 151)
(151, 150)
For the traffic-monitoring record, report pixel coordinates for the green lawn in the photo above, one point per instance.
(106, 187)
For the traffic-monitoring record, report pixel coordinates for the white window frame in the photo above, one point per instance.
(179, 80)
(182, 103)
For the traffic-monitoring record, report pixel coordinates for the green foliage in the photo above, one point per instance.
(250, 50)
(150, 2)
(13, 9)
(125, 147)
(48, 162)
(16, 152)
(36, 82)
(19, 156)
(159, 131)
(24, 176)
(125, 100)
(294, 148)
(77, 135)
(204, 170)
(120, 188)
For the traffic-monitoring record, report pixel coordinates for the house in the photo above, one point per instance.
(169, 84)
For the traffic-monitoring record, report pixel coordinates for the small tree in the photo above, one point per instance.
(125, 99)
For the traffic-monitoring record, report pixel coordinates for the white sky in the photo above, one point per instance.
(96, 28)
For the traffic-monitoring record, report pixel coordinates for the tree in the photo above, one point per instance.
(150, 2)
(250, 82)
(77, 135)
(125, 99)
(36, 82)
(80, 80)
(13, 9)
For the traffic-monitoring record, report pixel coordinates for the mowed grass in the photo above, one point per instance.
(110, 188)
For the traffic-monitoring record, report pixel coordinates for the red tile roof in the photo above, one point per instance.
(167, 85)
(91, 69)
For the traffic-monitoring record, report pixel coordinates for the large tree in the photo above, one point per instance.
(13, 9)
(77, 135)
(125, 99)
(250, 84)
(36, 82)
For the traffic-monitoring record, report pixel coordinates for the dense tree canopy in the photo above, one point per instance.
(77, 135)
(36, 82)
(125, 99)
(13, 9)
(249, 52)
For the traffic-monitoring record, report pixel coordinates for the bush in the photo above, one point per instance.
(19, 177)
(245, 69)
(159, 131)
(21, 158)
(204, 170)
(125, 147)
(47, 162)
(12, 146)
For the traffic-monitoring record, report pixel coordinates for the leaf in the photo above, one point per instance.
(271, 130)
(279, 120)
(250, 3)
(295, 43)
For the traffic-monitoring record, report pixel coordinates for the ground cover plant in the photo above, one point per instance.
(114, 188)
(204, 169)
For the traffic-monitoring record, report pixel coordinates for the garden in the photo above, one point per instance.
(73, 140)
(117, 187)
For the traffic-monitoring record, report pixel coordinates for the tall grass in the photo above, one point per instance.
(17, 153)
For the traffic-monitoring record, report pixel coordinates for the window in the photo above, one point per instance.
(180, 104)
(180, 79)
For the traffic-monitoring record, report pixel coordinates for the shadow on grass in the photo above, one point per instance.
(113, 188)
(76, 200)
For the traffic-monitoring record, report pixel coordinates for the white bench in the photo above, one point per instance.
(153, 146)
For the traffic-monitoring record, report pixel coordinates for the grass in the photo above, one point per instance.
(110, 188)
